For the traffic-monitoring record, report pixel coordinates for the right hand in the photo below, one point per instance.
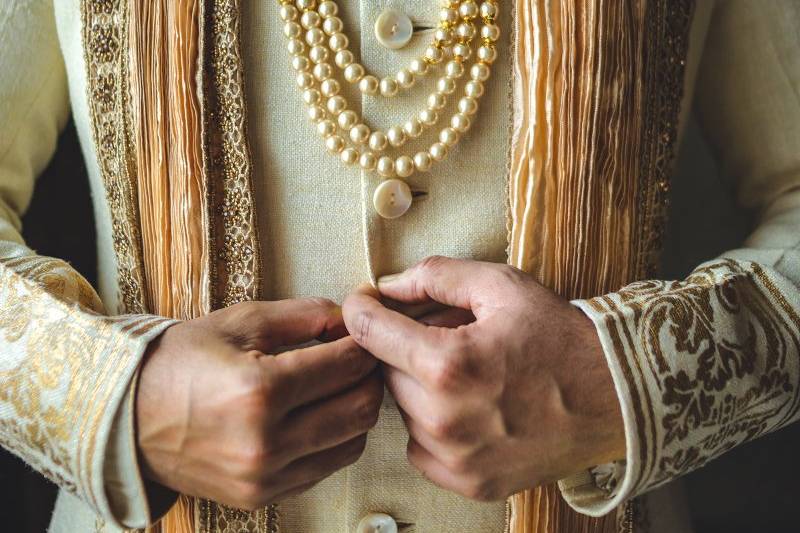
(218, 418)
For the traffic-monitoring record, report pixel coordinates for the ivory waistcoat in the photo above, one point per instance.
(321, 236)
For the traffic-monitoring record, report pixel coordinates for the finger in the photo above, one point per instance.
(442, 279)
(332, 421)
(431, 468)
(452, 317)
(318, 466)
(309, 374)
(410, 396)
(295, 491)
(267, 326)
(388, 335)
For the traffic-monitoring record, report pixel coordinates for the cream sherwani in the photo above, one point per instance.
(320, 237)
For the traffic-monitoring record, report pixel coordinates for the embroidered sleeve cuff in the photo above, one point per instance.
(700, 366)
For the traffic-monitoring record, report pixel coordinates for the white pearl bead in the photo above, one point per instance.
(288, 12)
(448, 136)
(292, 30)
(334, 144)
(479, 72)
(378, 141)
(332, 25)
(343, 58)
(437, 101)
(448, 16)
(468, 105)
(328, 9)
(359, 133)
(388, 87)
(300, 63)
(422, 161)
(329, 87)
(349, 156)
(445, 85)
(368, 161)
(386, 166)
(338, 41)
(490, 32)
(418, 67)
(305, 80)
(465, 31)
(353, 72)
(310, 19)
(368, 84)
(405, 78)
(305, 4)
(316, 113)
(487, 54)
(322, 71)
(488, 10)
(428, 117)
(462, 51)
(336, 104)
(295, 47)
(454, 69)
(311, 96)
(473, 88)
(396, 136)
(460, 122)
(318, 54)
(315, 36)
(468, 9)
(326, 128)
(433, 54)
(404, 166)
(412, 128)
(438, 151)
(347, 119)
(443, 36)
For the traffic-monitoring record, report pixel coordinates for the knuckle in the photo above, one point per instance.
(482, 490)
(432, 264)
(442, 428)
(363, 326)
(357, 362)
(448, 371)
(459, 462)
(251, 496)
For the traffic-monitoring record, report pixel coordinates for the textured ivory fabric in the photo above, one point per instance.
(707, 363)
(748, 96)
(321, 237)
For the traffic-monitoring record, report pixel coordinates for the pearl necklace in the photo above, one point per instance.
(315, 33)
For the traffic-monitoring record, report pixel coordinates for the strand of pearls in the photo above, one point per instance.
(329, 110)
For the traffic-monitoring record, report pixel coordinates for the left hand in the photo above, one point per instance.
(519, 397)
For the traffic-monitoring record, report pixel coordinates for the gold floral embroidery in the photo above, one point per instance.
(720, 353)
(104, 32)
(61, 366)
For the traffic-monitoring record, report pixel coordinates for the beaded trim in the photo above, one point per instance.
(105, 30)
(668, 24)
(237, 272)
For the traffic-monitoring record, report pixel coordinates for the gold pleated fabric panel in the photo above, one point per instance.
(575, 159)
(172, 191)
(168, 147)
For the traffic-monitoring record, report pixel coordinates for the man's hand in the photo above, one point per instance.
(220, 419)
(519, 397)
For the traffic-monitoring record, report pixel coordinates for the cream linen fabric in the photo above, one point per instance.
(705, 364)
(321, 237)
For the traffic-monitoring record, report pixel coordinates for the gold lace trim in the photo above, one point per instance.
(105, 29)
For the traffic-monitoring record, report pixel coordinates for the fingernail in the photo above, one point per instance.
(388, 279)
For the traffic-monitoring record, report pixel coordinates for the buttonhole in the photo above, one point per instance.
(418, 193)
(420, 27)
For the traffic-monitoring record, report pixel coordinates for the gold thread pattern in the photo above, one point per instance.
(719, 354)
(61, 371)
(105, 29)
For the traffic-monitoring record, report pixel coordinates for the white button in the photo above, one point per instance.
(393, 29)
(377, 523)
(392, 198)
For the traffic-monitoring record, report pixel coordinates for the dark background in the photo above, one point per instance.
(751, 489)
